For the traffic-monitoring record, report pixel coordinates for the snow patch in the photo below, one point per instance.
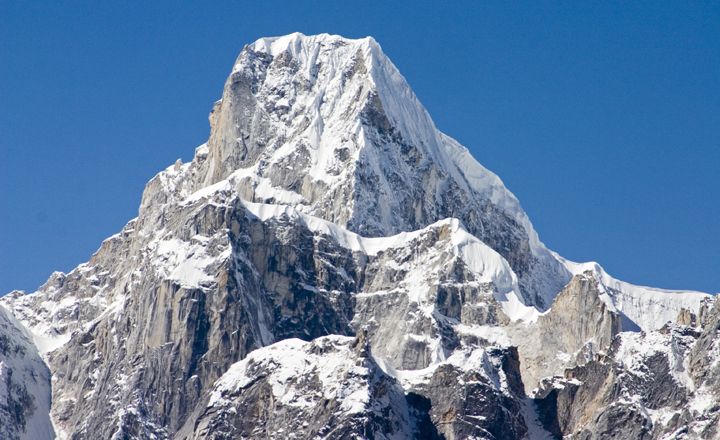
(287, 363)
(187, 263)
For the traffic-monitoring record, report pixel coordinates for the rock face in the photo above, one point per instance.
(644, 388)
(467, 403)
(578, 325)
(330, 265)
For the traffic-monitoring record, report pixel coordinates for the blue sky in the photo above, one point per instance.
(603, 118)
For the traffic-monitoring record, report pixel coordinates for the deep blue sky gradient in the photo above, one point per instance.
(603, 118)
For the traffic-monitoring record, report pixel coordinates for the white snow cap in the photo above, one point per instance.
(403, 109)
(298, 41)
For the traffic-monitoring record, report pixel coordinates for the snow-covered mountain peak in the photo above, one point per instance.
(299, 44)
(330, 63)
(333, 81)
(331, 264)
(330, 125)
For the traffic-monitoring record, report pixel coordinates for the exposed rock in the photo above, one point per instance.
(578, 325)
(645, 388)
(686, 317)
(468, 404)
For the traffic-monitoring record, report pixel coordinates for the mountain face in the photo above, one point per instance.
(330, 265)
(24, 384)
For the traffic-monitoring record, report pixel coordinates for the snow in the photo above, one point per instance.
(298, 43)
(702, 400)
(347, 239)
(466, 359)
(535, 429)
(414, 122)
(39, 326)
(493, 334)
(263, 188)
(490, 186)
(326, 133)
(47, 343)
(289, 362)
(636, 348)
(210, 190)
(188, 263)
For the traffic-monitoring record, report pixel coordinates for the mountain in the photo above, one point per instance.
(24, 385)
(330, 265)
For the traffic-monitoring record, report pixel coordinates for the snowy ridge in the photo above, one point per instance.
(489, 184)
(650, 308)
(476, 360)
(490, 266)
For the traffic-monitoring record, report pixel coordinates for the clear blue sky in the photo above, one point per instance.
(603, 118)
